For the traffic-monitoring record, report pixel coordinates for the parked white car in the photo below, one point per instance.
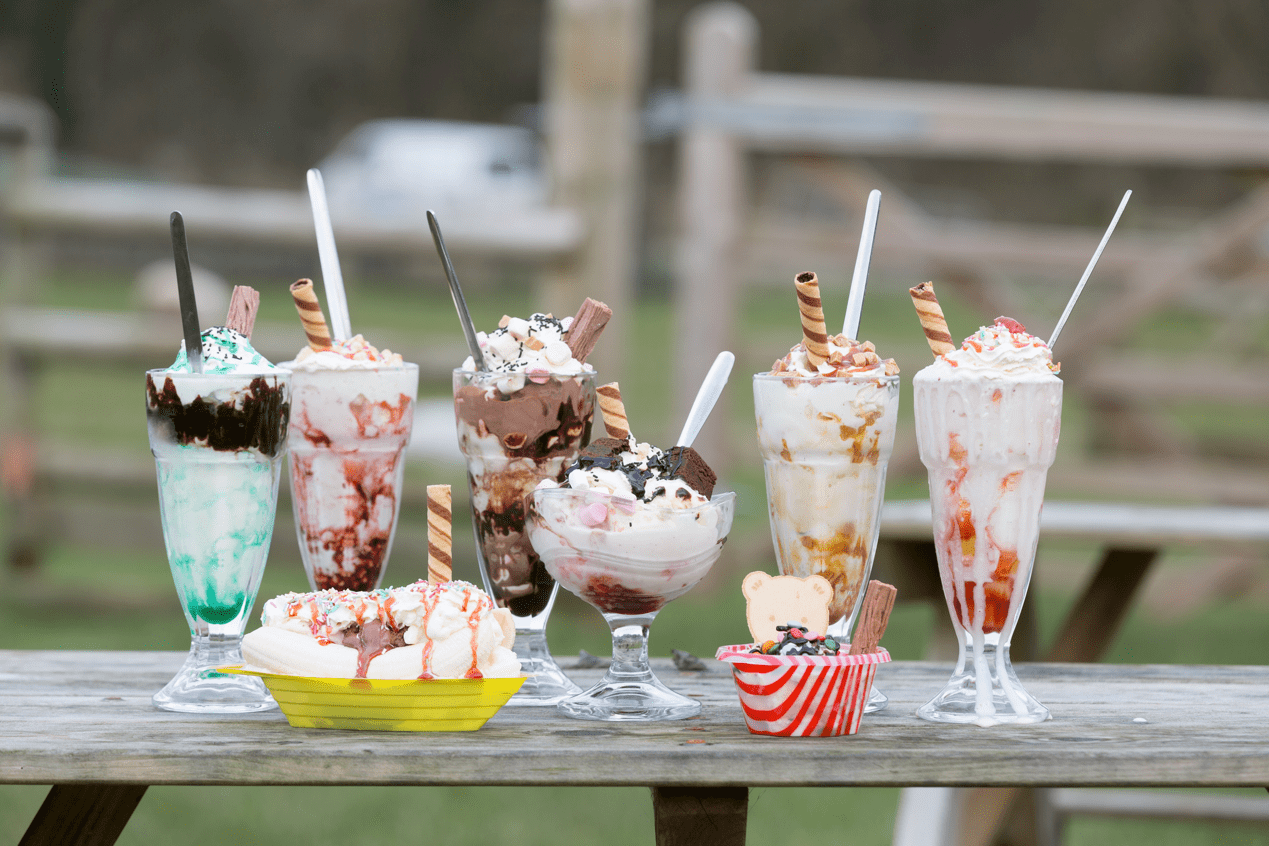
(394, 170)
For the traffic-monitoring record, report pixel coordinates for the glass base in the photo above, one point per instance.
(547, 684)
(984, 691)
(618, 700)
(876, 701)
(198, 689)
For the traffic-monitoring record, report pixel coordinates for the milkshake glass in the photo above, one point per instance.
(826, 442)
(988, 418)
(516, 430)
(347, 440)
(218, 441)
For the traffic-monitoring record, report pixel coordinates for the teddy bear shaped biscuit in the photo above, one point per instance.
(772, 601)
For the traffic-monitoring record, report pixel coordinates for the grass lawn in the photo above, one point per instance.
(142, 613)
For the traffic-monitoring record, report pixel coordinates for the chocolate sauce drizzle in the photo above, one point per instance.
(256, 419)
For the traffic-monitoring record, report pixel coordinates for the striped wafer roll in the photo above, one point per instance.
(440, 543)
(614, 411)
(311, 315)
(814, 332)
(932, 320)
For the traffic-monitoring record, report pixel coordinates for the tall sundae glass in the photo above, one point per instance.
(826, 428)
(523, 420)
(353, 409)
(988, 417)
(218, 438)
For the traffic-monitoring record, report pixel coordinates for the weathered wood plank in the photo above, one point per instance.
(86, 717)
(1119, 524)
(83, 815)
(700, 816)
(281, 217)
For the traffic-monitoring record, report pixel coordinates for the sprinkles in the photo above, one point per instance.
(798, 640)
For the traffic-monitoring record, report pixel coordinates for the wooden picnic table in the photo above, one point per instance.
(1130, 538)
(83, 722)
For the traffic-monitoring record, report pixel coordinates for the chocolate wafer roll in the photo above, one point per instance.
(440, 542)
(814, 332)
(311, 315)
(613, 410)
(937, 334)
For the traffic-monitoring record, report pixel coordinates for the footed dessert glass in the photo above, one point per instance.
(628, 566)
(218, 442)
(348, 433)
(826, 443)
(988, 444)
(514, 432)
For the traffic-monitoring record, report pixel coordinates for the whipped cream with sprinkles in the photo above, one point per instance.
(846, 357)
(640, 472)
(438, 610)
(533, 349)
(1004, 348)
(356, 353)
(224, 351)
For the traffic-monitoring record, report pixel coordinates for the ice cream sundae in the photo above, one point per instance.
(353, 410)
(988, 416)
(449, 630)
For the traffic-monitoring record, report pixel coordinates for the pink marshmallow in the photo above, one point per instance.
(593, 515)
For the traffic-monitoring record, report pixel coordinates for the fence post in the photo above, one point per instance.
(720, 50)
(596, 61)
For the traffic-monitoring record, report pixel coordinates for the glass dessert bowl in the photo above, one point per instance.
(628, 559)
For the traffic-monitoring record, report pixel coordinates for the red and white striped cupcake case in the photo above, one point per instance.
(802, 695)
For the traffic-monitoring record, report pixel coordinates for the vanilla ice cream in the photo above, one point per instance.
(420, 631)
(826, 435)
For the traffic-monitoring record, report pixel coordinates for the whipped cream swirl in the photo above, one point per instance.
(224, 351)
(1004, 349)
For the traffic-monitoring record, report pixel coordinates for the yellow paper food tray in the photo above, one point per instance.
(386, 704)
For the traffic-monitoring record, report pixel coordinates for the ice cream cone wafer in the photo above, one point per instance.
(440, 564)
(937, 334)
(311, 315)
(614, 411)
(814, 332)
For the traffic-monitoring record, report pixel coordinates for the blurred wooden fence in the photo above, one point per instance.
(584, 244)
(729, 109)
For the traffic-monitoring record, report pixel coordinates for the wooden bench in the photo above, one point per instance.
(83, 722)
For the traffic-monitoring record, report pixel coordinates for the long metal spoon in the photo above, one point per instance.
(460, 303)
(185, 287)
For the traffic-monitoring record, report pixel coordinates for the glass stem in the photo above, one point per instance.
(215, 650)
(629, 653)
